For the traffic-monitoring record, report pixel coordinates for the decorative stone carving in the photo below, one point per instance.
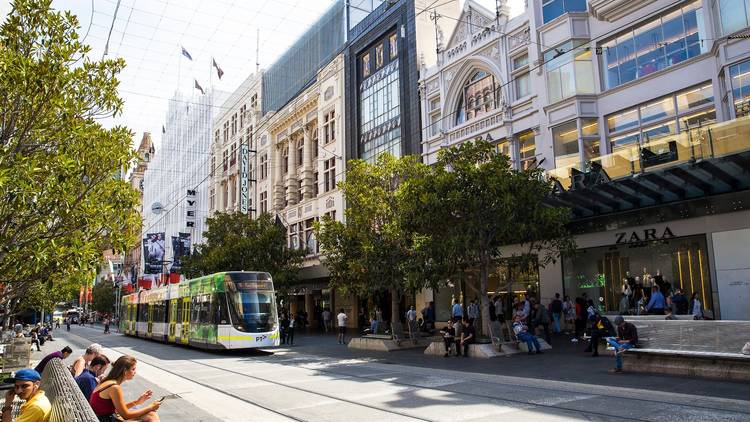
(328, 93)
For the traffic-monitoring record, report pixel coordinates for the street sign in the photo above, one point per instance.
(243, 179)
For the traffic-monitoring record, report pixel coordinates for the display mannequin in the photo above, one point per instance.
(659, 281)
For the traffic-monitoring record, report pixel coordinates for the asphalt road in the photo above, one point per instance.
(323, 381)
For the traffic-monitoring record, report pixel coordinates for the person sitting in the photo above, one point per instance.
(600, 328)
(627, 338)
(37, 407)
(89, 378)
(62, 355)
(35, 340)
(83, 361)
(468, 336)
(107, 400)
(522, 333)
(449, 337)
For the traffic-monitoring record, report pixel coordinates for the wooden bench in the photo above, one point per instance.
(710, 349)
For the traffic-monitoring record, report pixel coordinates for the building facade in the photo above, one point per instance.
(637, 110)
(134, 255)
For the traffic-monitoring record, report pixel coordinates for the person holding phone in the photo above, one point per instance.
(108, 400)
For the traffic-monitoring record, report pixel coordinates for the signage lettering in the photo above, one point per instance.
(243, 179)
(646, 235)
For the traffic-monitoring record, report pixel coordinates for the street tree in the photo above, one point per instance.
(42, 295)
(235, 242)
(103, 297)
(372, 251)
(475, 206)
(63, 201)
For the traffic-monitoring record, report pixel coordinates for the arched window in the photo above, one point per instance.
(479, 96)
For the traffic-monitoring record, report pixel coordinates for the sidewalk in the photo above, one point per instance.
(565, 362)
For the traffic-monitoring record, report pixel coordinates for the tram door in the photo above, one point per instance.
(133, 317)
(150, 319)
(185, 332)
(172, 319)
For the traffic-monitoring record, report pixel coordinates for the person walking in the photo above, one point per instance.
(457, 311)
(106, 325)
(108, 400)
(556, 309)
(284, 326)
(326, 319)
(657, 303)
(341, 319)
(67, 324)
(472, 311)
(627, 338)
(569, 312)
(411, 314)
(293, 320)
(696, 308)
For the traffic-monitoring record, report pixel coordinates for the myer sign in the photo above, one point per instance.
(243, 179)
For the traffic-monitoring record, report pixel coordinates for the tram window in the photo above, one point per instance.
(222, 313)
(179, 310)
(205, 304)
(195, 310)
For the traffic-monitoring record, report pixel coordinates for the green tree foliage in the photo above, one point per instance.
(234, 242)
(103, 297)
(61, 202)
(373, 251)
(474, 205)
(43, 295)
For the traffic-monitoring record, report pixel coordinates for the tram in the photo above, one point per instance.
(229, 310)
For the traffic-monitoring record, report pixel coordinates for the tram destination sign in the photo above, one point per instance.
(253, 285)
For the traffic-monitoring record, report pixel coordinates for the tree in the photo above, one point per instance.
(474, 204)
(235, 242)
(103, 297)
(43, 295)
(373, 251)
(62, 200)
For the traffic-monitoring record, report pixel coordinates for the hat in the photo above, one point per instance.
(26, 374)
(619, 320)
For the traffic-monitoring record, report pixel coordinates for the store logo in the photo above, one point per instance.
(646, 235)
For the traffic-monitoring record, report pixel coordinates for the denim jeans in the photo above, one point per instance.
(531, 341)
(556, 318)
(374, 327)
(618, 346)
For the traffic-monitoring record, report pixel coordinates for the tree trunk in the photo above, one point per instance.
(395, 302)
(484, 270)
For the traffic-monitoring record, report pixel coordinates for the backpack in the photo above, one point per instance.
(608, 327)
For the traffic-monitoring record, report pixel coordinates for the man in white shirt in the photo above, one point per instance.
(341, 319)
(411, 314)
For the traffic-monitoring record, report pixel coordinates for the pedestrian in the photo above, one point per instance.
(569, 311)
(67, 324)
(326, 319)
(468, 337)
(541, 320)
(449, 338)
(341, 319)
(57, 323)
(657, 303)
(89, 378)
(411, 314)
(35, 340)
(472, 311)
(83, 361)
(106, 325)
(526, 305)
(428, 313)
(556, 309)
(290, 330)
(580, 321)
(62, 355)
(284, 327)
(627, 338)
(37, 407)
(522, 333)
(499, 309)
(696, 308)
(108, 400)
(680, 302)
(493, 311)
(374, 323)
(457, 311)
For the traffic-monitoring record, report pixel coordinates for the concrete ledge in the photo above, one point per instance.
(523, 348)
(384, 344)
(481, 351)
(692, 366)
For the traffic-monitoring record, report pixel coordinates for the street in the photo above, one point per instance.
(321, 383)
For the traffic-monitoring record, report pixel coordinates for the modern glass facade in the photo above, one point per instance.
(740, 80)
(569, 70)
(734, 15)
(654, 45)
(554, 8)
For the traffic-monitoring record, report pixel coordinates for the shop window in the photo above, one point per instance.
(734, 14)
(526, 149)
(669, 263)
(654, 45)
(565, 139)
(393, 45)
(569, 70)
(554, 8)
(590, 134)
(739, 75)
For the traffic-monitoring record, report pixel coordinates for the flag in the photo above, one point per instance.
(186, 54)
(218, 69)
(197, 86)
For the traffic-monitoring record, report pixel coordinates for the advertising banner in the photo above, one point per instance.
(180, 248)
(153, 253)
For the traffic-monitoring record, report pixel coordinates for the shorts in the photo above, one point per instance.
(342, 330)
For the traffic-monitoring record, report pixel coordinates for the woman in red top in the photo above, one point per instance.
(108, 400)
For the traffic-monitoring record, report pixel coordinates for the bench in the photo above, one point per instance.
(502, 334)
(397, 331)
(709, 349)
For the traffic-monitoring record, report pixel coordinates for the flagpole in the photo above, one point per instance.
(210, 74)
(179, 66)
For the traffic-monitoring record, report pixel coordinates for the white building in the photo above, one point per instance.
(176, 185)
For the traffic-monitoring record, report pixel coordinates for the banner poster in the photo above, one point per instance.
(181, 248)
(153, 253)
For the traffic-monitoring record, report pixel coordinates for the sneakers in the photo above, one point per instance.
(616, 370)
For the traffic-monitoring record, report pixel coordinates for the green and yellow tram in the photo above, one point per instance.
(229, 310)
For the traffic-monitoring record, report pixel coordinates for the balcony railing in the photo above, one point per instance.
(709, 141)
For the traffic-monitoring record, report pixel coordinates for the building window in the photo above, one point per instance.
(565, 140)
(264, 167)
(366, 65)
(661, 117)
(296, 230)
(590, 136)
(653, 46)
(480, 95)
(254, 101)
(569, 71)
(225, 195)
(233, 155)
(226, 131)
(285, 160)
(554, 8)
(316, 189)
(217, 138)
(378, 56)
(314, 146)
(739, 75)
(329, 175)
(522, 82)
(234, 124)
(734, 14)
(393, 46)
(225, 159)
(436, 124)
(331, 215)
(310, 244)
(213, 164)
(526, 149)
(212, 200)
(300, 152)
(243, 115)
(233, 188)
(263, 202)
(329, 127)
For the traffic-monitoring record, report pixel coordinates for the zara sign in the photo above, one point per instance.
(645, 235)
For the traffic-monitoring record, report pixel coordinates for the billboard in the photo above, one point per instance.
(153, 253)
(181, 248)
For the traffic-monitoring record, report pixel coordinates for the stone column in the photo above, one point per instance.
(291, 179)
(278, 179)
(307, 154)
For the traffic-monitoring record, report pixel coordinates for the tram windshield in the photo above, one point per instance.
(252, 305)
